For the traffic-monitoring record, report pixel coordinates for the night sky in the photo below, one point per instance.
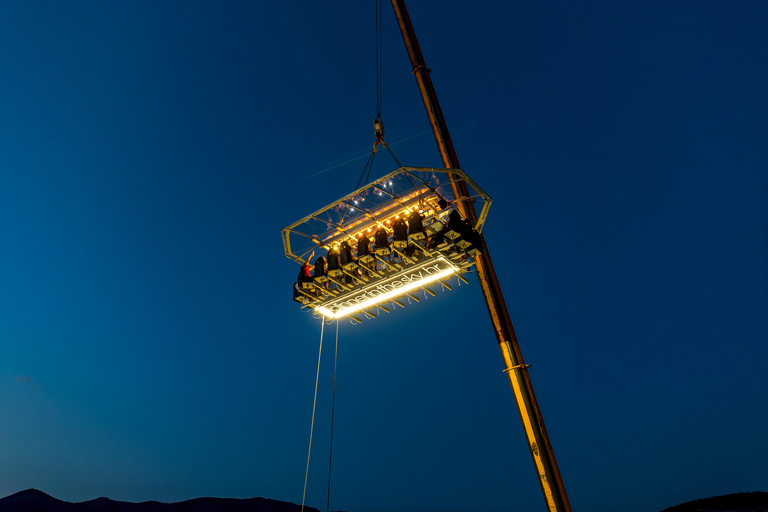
(150, 153)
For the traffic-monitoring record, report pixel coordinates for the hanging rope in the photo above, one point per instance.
(314, 403)
(333, 410)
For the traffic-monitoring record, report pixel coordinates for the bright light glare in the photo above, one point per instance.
(388, 295)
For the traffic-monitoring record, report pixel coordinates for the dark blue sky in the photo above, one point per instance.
(150, 153)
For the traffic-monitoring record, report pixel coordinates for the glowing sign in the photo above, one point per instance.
(382, 290)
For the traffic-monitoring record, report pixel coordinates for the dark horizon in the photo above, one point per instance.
(34, 500)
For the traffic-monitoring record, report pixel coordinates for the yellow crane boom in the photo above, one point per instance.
(539, 444)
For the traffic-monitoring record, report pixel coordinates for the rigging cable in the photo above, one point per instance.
(312, 425)
(399, 166)
(333, 410)
(377, 123)
(378, 59)
(395, 159)
(368, 166)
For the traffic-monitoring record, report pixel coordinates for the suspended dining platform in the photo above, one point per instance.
(385, 242)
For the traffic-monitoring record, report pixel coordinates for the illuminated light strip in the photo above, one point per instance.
(388, 295)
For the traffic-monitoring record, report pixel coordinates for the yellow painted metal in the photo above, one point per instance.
(540, 447)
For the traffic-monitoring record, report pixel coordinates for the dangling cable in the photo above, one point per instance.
(333, 410)
(312, 426)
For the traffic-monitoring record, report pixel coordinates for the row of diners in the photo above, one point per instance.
(404, 242)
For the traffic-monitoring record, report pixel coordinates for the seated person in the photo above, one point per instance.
(381, 238)
(333, 259)
(364, 252)
(400, 230)
(319, 267)
(415, 223)
(345, 254)
(305, 276)
(466, 230)
(455, 222)
(363, 246)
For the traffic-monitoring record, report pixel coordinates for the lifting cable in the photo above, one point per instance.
(368, 166)
(392, 154)
(312, 425)
(378, 59)
(378, 125)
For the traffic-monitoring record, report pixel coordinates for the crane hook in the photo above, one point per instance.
(378, 128)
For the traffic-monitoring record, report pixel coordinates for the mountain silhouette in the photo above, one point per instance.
(741, 502)
(33, 500)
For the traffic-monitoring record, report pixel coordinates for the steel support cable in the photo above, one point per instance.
(333, 411)
(368, 176)
(368, 166)
(394, 157)
(378, 59)
(314, 403)
(399, 165)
